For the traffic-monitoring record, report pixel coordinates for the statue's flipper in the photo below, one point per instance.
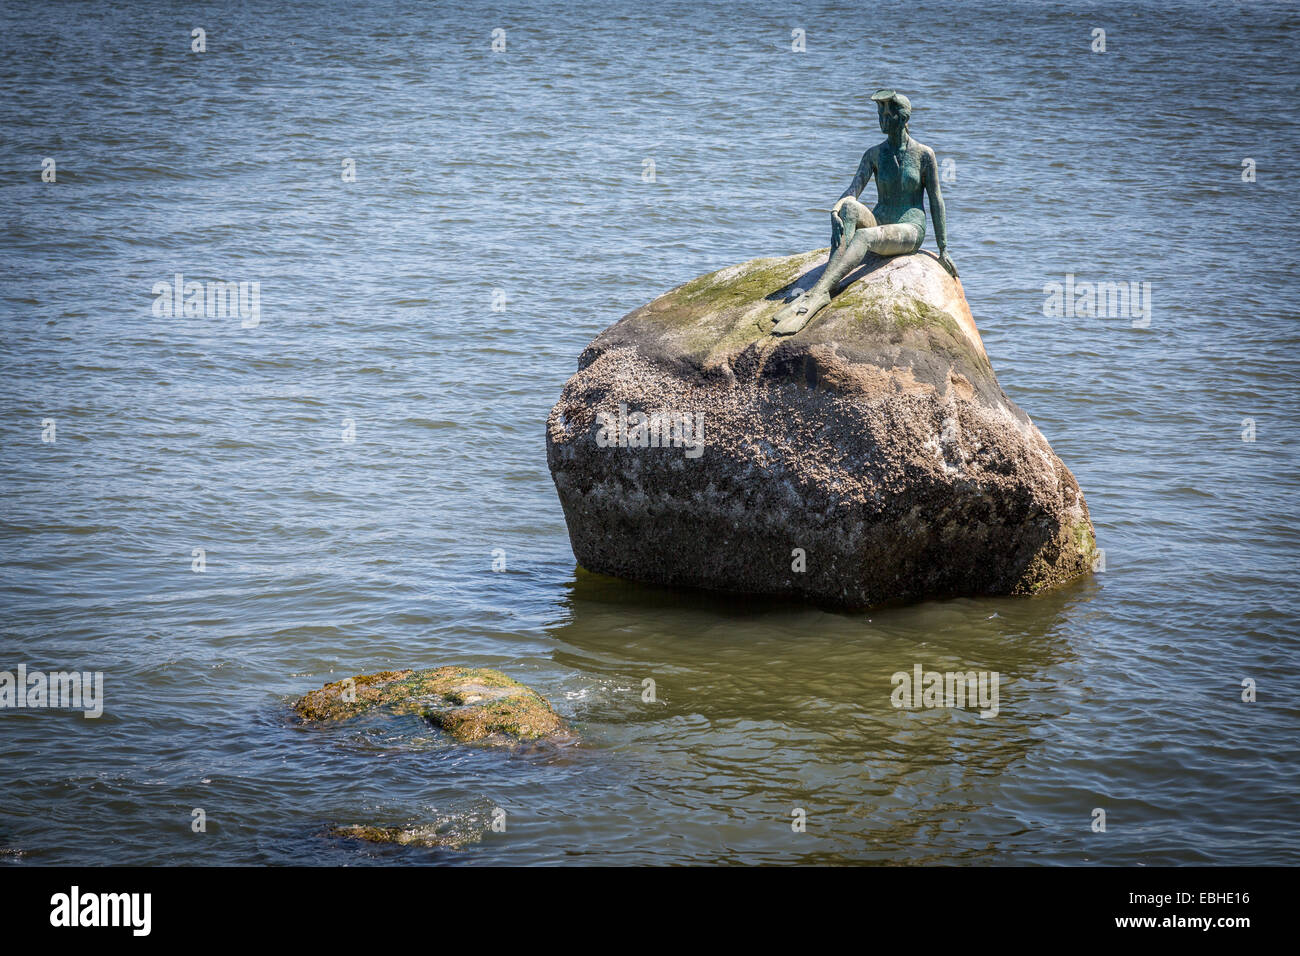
(799, 312)
(791, 323)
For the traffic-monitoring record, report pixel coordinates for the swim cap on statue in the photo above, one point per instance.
(883, 96)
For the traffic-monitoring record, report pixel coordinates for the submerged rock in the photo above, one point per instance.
(468, 703)
(871, 457)
(429, 836)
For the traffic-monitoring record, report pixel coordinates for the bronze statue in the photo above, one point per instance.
(905, 170)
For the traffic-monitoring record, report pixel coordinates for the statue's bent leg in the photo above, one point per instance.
(895, 239)
(848, 217)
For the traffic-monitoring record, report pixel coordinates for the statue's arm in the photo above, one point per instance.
(930, 174)
(930, 171)
(860, 178)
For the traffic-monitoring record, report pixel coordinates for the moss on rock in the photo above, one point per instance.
(722, 320)
(468, 703)
(1085, 541)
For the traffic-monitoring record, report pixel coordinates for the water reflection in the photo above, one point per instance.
(761, 707)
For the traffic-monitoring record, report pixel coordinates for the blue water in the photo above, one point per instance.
(522, 171)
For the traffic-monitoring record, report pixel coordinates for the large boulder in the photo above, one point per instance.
(870, 457)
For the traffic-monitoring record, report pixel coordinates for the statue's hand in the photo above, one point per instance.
(946, 261)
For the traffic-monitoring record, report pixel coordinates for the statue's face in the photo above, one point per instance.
(891, 120)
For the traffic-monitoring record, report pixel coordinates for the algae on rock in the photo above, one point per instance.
(468, 703)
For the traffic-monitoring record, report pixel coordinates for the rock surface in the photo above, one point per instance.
(468, 703)
(869, 458)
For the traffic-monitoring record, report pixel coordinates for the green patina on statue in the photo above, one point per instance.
(905, 172)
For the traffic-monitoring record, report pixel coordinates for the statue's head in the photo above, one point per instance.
(894, 110)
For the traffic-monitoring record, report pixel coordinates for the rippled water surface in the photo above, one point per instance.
(523, 171)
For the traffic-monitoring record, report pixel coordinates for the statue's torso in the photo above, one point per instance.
(899, 186)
